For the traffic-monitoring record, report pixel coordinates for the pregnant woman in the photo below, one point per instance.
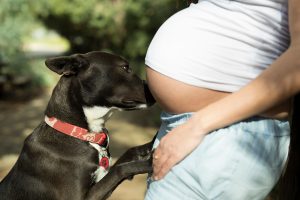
(223, 72)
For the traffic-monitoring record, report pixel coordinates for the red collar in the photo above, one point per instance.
(78, 132)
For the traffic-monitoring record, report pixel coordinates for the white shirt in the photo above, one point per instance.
(220, 44)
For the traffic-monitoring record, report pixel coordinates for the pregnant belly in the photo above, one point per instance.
(177, 97)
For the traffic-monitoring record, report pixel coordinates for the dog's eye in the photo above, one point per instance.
(126, 68)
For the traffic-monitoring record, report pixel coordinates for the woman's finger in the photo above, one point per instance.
(165, 168)
(158, 161)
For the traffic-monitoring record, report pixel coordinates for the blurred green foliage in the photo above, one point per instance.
(125, 27)
(16, 20)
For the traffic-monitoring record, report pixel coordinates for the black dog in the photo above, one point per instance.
(54, 164)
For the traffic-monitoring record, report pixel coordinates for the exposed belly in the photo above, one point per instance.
(177, 97)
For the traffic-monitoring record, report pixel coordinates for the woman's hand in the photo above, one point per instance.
(175, 146)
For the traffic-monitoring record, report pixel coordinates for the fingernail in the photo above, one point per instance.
(155, 178)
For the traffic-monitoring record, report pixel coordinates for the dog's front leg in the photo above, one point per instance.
(137, 160)
(103, 189)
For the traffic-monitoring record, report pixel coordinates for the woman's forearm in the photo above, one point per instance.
(276, 84)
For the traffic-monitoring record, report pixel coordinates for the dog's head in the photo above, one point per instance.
(105, 81)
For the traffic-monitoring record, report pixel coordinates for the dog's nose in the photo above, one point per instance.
(149, 98)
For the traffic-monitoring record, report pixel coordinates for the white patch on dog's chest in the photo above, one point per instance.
(96, 117)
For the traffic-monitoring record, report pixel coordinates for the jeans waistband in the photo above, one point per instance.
(172, 120)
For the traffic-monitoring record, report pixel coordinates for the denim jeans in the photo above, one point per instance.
(240, 162)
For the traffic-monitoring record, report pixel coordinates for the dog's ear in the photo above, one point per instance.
(67, 65)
